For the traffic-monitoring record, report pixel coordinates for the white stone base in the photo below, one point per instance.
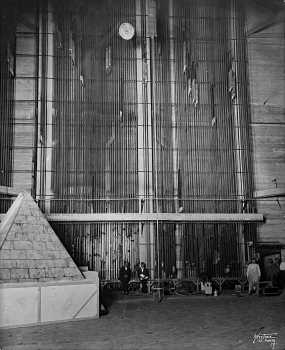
(33, 303)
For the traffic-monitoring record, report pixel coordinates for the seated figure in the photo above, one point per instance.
(125, 276)
(143, 275)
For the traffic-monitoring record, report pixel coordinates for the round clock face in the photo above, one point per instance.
(126, 31)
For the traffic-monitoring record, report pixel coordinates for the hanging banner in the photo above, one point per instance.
(10, 60)
(151, 19)
(192, 82)
(108, 59)
(232, 82)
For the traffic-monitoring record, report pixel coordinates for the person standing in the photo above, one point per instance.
(253, 276)
(125, 276)
(136, 268)
(143, 275)
(103, 307)
(273, 271)
(282, 273)
(276, 273)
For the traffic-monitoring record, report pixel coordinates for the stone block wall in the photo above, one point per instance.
(29, 248)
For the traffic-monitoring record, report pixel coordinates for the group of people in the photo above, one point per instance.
(126, 274)
(125, 277)
(253, 275)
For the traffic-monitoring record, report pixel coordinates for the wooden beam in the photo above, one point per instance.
(270, 193)
(275, 19)
(10, 191)
(153, 217)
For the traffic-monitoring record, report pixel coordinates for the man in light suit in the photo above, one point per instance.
(253, 276)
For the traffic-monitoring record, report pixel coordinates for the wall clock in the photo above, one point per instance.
(126, 31)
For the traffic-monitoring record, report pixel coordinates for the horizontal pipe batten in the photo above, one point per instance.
(153, 217)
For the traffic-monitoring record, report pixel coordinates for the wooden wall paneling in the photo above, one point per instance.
(267, 88)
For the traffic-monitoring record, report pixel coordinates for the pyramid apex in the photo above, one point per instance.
(27, 240)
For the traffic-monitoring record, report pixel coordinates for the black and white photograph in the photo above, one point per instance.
(142, 175)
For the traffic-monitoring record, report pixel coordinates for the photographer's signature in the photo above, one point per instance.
(270, 338)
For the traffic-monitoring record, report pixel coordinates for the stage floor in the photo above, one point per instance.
(179, 322)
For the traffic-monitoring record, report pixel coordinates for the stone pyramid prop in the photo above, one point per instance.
(29, 248)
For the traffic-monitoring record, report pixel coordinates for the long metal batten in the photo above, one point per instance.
(161, 217)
